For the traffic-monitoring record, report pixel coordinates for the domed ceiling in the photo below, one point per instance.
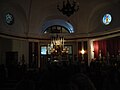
(31, 16)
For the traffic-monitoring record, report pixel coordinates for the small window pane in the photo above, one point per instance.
(69, 49)
(54, 28)
(64, 30)
(58, 28)
(43, 50)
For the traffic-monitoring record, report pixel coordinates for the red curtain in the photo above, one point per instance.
(95, 45)
(102, 47)
(111, 45)
(79, 49)
(33, 50)
(99, 45)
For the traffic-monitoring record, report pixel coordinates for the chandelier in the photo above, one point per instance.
(56, 47)
(69, 7)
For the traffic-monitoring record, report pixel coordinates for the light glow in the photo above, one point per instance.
(82, 51)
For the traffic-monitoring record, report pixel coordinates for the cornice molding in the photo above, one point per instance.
(89, 36)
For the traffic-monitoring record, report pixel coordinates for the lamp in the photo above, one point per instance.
(82, 52)
(68, 8)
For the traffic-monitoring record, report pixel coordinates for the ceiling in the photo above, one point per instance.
(31, 16)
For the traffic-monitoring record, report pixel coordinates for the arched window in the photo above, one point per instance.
(57, 26)
(56, 29)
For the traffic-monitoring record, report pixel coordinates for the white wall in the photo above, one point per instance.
(21, 46)
(5, 45)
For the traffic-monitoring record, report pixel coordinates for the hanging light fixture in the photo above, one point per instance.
(68, 8)
(57, 46)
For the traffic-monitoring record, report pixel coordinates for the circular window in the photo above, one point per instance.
(107, 19)
(9, 19)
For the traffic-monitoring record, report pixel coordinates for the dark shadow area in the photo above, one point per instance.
(74, 76)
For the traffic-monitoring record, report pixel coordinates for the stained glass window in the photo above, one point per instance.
(9, 19)
(107, 19)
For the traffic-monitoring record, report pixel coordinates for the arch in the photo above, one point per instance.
(19, 14)
(94, 14)
(59, 22)
(97, 15)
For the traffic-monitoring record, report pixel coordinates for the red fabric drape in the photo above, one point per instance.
(99, 45)
(79, 49)
(102, 47)
(33, 61)
(111, 45)
(95, 45)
